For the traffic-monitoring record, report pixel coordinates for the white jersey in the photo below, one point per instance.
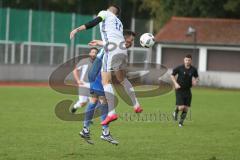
(83, 69)
(111, 27)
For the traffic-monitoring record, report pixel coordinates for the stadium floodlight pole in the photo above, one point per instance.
(193, 32)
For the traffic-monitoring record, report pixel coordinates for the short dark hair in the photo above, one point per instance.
(188, 56)
(93, 48)
(117, 7)
(129, 33)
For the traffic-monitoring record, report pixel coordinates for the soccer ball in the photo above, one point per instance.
(147, 40)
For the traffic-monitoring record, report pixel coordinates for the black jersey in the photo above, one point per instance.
(185, 76)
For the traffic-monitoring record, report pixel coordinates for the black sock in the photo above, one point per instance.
(183, 116)
(176, 110)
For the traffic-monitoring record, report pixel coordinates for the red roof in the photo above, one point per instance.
(209, 31)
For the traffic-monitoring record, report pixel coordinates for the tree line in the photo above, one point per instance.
(160, 10)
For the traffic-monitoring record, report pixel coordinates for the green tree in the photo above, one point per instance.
(163, 10)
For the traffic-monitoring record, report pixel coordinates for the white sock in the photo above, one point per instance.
(105, 131)
(77, 105)
(108, 90)
(86, 130)
(130, 91)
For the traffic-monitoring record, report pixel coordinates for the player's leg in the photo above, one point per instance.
(121, 77)
(82, 101)
(88, 117)
(109, 94)
(104, 112)
(108, 88)
(179, 104)
(106, 136)
(175, 113)
(188, 99)
(183, 116)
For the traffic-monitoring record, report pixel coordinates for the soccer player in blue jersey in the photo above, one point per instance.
(80, 74)
(97, 100)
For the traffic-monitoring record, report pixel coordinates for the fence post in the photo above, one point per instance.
(7, 35)
(159, 54)
(29, 37)
(202, 59)
(52, 37)
(133, 29)
(65, 54)
(13, 54)
(150, 50)
(22, 53)
(73, 40)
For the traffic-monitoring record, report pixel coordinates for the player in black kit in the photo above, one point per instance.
(184, 77)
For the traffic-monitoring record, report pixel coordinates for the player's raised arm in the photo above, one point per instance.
(101, 16)
(88, 25)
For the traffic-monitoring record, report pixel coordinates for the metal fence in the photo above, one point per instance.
(39, 37)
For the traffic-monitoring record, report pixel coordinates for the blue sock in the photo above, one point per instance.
(104, 113)
(89, 114)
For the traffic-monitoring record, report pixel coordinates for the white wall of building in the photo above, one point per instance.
(207, 78)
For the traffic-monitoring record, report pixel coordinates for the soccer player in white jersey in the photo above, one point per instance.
(114, 59)
(80, 74)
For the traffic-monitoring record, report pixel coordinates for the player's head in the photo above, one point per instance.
(114, 9)
(129, 37)
(93, 53)
(188, 60)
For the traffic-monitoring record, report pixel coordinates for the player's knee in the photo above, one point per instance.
(185, 108)
(181, 108)
(105, 82)
(120, 76)
(103, 100)
(120, 79)
(83, 104)
(94, 100)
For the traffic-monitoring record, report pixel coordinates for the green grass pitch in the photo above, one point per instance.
(30, 130)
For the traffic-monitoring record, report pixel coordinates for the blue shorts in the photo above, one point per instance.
(96, 87)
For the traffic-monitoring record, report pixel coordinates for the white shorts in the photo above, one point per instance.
(84, 99)
(114, 59)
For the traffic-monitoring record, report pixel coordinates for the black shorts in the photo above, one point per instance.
(183, 97)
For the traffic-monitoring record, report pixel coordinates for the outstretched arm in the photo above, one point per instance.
(88, 25)
(96, 43)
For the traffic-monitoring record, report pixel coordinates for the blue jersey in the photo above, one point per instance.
(94, 75)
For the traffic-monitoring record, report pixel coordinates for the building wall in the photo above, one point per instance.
(220, 60)
(213, 79)
(174, 56)
(171, 57)
(25, 72)
(42, 73)
(219, 66)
